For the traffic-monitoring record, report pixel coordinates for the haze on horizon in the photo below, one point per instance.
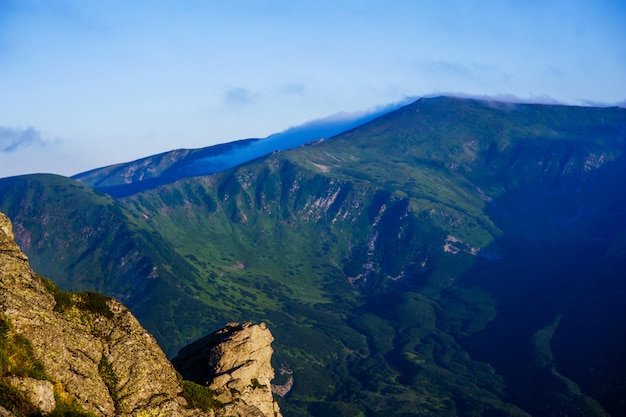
(86, 84)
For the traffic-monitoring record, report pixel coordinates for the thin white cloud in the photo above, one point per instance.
(28, 151)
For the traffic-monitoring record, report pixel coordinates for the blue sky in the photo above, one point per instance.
(86, 83)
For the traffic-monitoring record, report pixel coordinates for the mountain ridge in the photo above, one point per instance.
(415, 262)
(121, 180)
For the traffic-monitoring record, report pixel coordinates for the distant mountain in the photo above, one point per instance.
(452, 257)
(122, 180)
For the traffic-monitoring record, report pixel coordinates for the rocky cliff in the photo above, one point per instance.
(87, 353)
(235, 363)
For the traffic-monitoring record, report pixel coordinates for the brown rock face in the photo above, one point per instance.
(93, 349)
(235, 363)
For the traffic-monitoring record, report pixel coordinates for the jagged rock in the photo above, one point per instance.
(235, 363)
(91, 346)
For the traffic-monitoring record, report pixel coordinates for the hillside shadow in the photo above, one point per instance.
(559, 335)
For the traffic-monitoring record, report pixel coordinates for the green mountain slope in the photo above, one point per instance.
(453, 257)
(86, 241)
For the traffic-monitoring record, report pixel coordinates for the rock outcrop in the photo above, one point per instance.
(96, 357)
(92, 347)
(235, 363)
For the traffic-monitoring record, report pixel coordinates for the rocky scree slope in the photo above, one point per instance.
(87, 353)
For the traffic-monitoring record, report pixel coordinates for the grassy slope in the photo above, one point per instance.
(86, 241)
(313, 213)
(281, 251)
(278, 239)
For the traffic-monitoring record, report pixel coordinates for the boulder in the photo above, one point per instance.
(235, 362)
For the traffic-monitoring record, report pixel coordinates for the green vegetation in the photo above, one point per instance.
(15, 401)
(89, 301)
(107, 373)
(254, 383)
(16, 355)
(95, 303)
(63, 299)
(198, 396)
(404, 267)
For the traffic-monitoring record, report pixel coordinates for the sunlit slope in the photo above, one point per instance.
(467, 153)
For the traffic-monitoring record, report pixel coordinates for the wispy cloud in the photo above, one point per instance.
(12, 139)
(237, 96)
(467, 70)
(296, 89)
(498, 98)
(242, 96)
(595, 103)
